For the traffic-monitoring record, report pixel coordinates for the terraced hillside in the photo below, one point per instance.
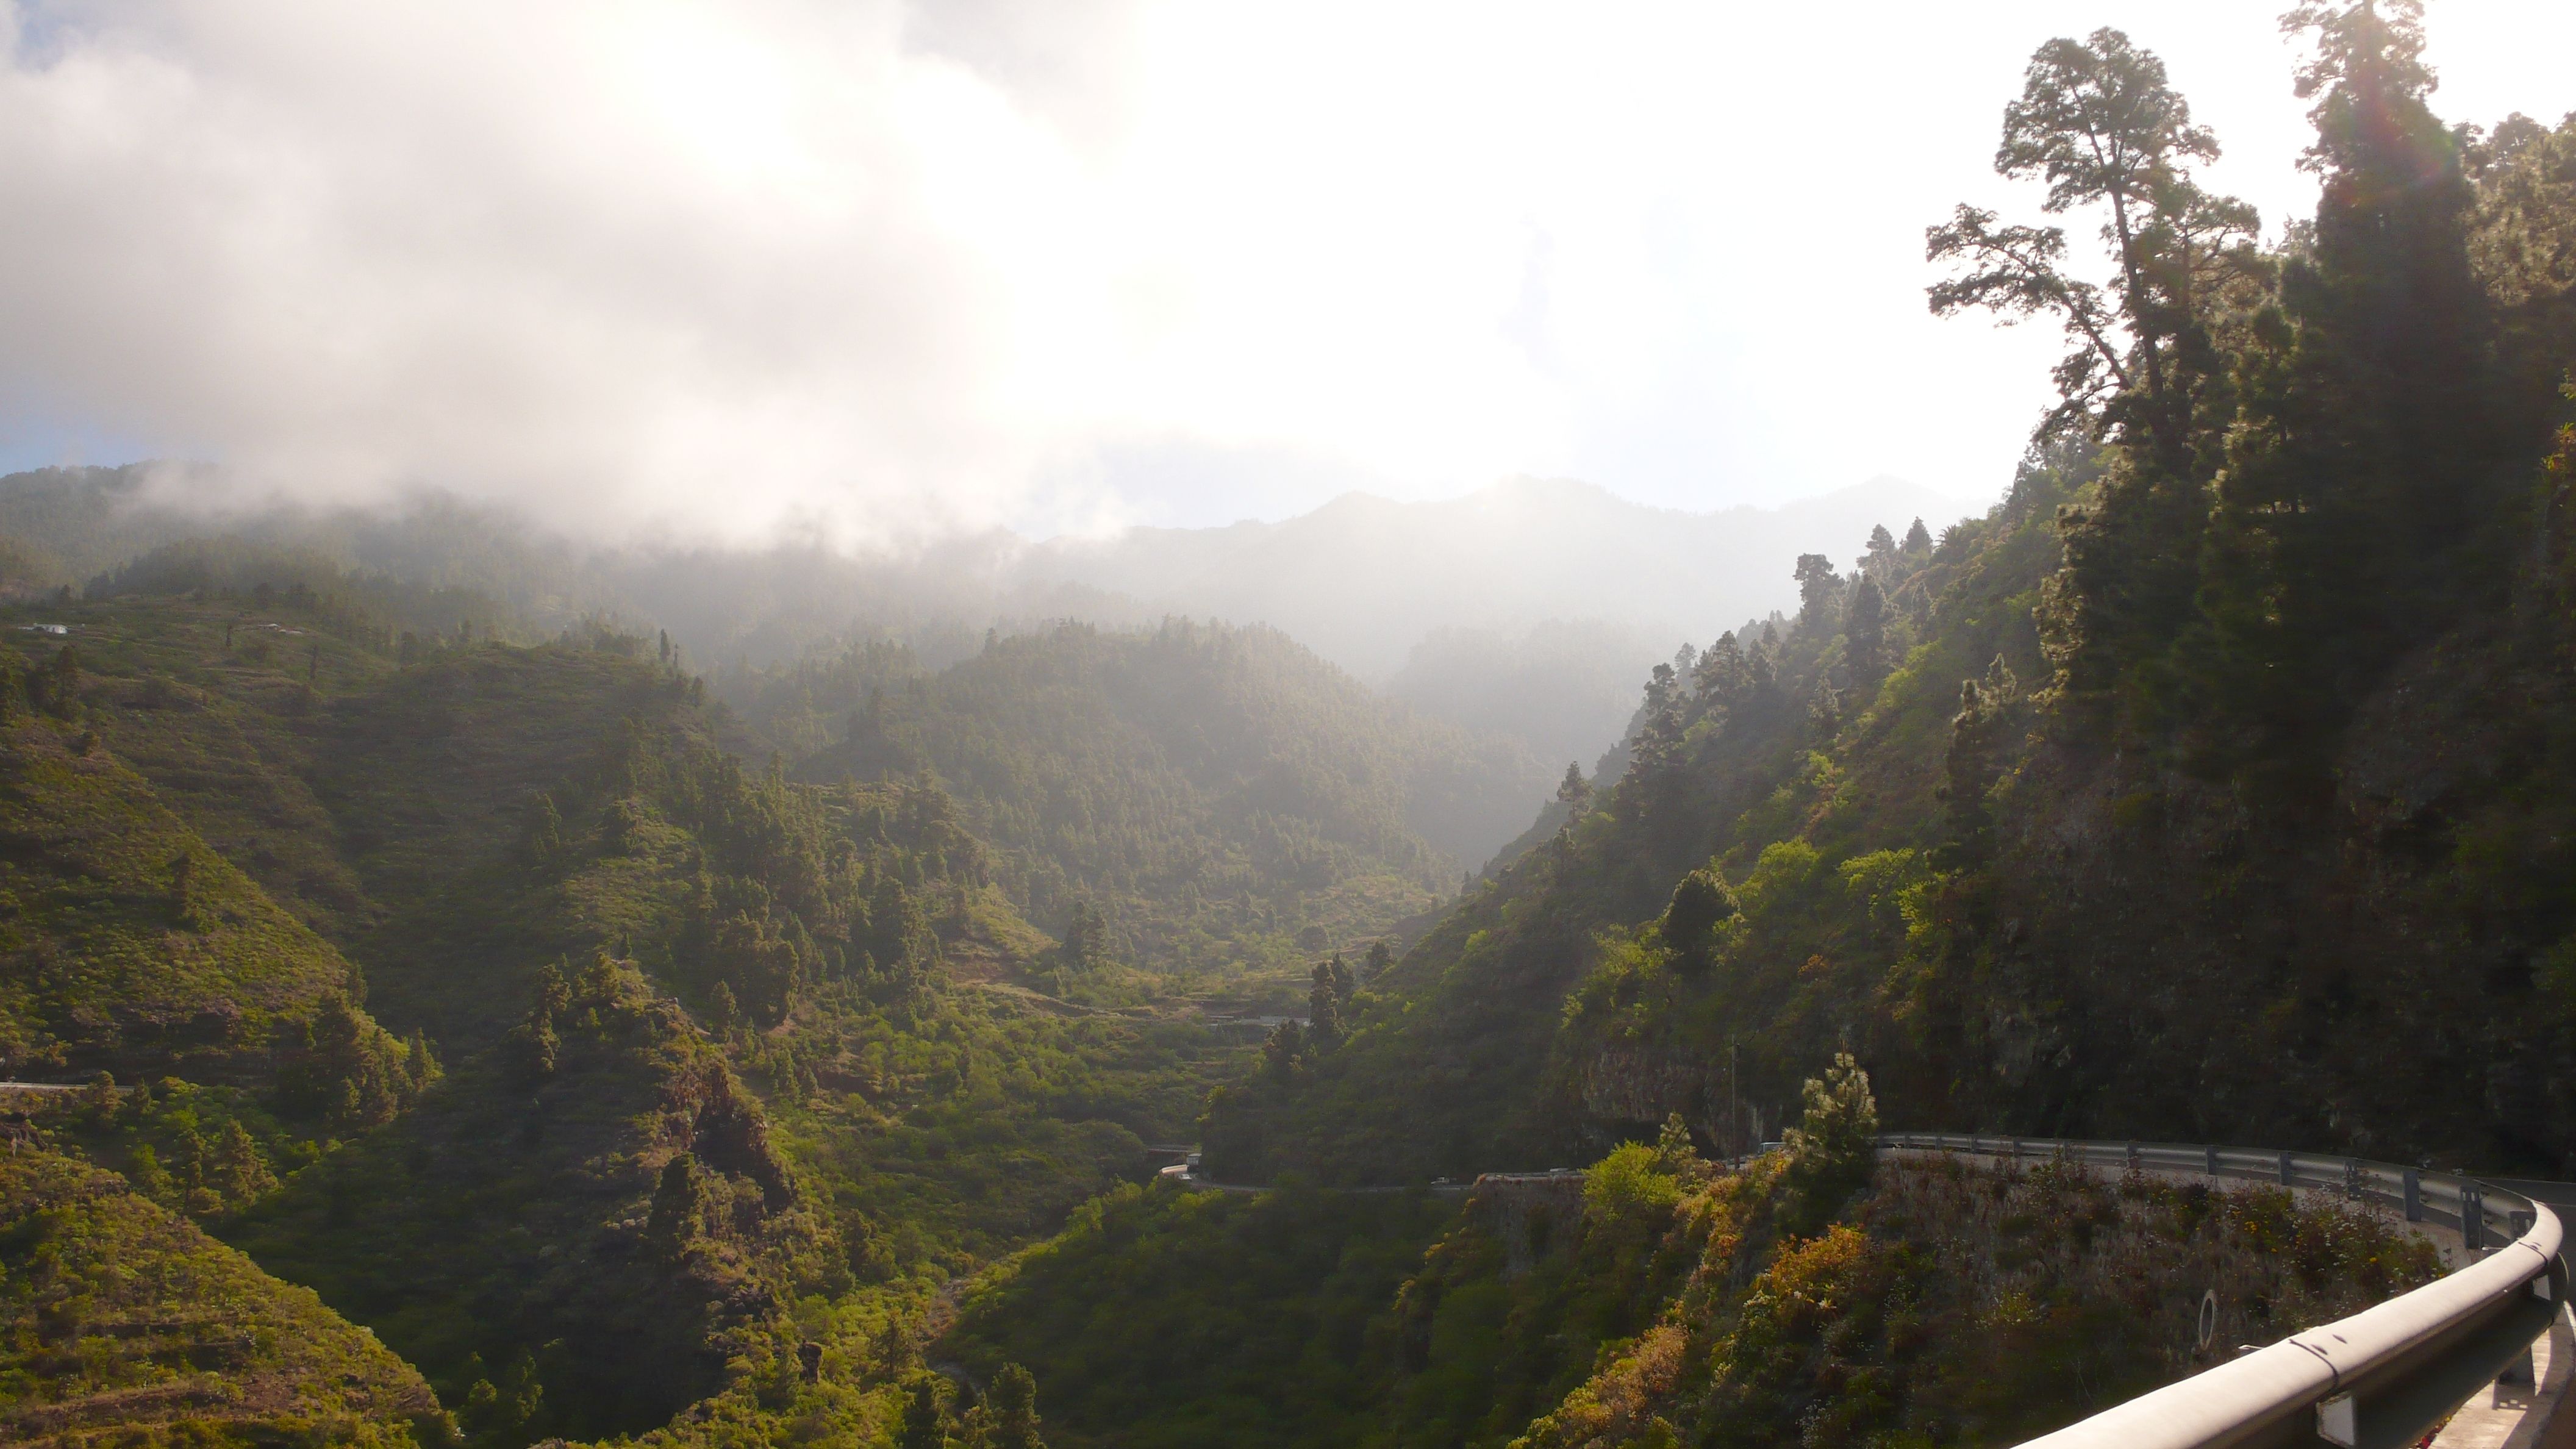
(122, 1323)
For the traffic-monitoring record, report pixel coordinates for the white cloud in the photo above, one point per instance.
(709, 269)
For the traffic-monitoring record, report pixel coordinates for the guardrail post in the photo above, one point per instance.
(2285, 1167)
(2016, 1149)
(2213, 1162)
(2339, 1420)
(2352, 1177)
(2473, 1218)
(2133, 1157)
(2414, 1189)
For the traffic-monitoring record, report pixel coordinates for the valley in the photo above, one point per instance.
(470, 986)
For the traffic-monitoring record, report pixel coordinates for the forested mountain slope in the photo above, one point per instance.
(703, 1065)
(1217, 793)
(2214, 785)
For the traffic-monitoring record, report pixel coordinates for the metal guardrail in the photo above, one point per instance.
(2382, 1378)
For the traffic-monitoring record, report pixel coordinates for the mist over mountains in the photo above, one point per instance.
(1533, 606)
(1363, 579)
(1460, 607)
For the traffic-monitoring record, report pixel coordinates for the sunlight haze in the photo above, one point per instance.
(877, 272)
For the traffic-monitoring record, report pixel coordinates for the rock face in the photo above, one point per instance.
(1526, 1213)
(1635, 1083)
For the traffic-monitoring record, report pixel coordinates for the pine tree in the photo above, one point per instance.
(241, 1174)
(545, 839)
(2361, 505)
(1818, 586)
(1574, 792)
(1323, 1012)
(1834, 1146)
(925, 1415)
(1918, 539)
(1346, 983)
(56, 688)
(1865, 634)
(184, 891)
(1698, 904)
(197, 1194)
(1011, 1409)
(678, 1216)
(553, 993)
(1720, 681)
(1675, 1152)
(1655, 755)
(598, 984)
(1978, 737)
(522, 1396)
(1086, 939)
(1879, 555)
(149, 1177)
(534, 1049)
(420, 1065)
(2098, 121)
(1283, 1052)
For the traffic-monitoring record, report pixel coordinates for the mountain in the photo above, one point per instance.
(688, 1050)
(136, 948)
(1226, 797)
(1362, 579)
(1560, 575)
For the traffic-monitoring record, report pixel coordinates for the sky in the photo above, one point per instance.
(871, 272)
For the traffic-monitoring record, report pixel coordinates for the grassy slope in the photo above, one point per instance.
(123, 1324)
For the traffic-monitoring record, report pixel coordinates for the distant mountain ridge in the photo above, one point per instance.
(1448, 604)
(1363, 578)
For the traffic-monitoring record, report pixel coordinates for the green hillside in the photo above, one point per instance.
(138, 949)
(622, 955)
(123, 1324)
(1224, 797)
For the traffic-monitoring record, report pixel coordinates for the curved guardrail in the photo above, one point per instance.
(2383, 1377)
